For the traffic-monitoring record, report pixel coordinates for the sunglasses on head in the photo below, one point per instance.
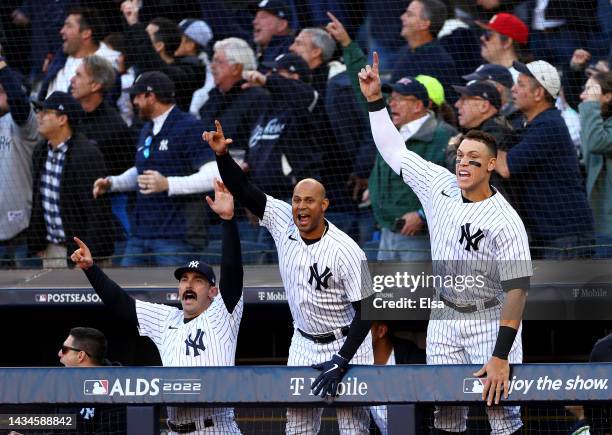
(147, 147)
(66, 349)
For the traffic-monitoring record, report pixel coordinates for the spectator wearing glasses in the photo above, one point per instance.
(170, 165)
(501, 78)
(65, 165)
(503, 41)
(86, 347)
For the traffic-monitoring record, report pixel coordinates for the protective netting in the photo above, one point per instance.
(292, 117)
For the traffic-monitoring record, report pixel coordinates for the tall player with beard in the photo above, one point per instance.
(204, 333)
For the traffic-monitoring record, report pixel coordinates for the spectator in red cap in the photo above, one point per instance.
(503, 40)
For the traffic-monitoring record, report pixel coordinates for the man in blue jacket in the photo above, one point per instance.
(552, 194)
(170, 167)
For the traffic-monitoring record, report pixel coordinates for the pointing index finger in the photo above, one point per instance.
(79, 242)
(375, 62)
(332, 17)
(218, 125)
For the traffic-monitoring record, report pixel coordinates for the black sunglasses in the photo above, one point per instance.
(66, 349)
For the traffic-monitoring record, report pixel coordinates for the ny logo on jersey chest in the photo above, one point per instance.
(471, 240)
(320, 278)
(197, 343)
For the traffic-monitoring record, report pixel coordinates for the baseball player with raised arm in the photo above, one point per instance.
(204, 332)
(326, 279)
(474, 232)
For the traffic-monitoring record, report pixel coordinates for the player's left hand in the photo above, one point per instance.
(152, 182)
(498, 379)
(223, 204)
(333, 371)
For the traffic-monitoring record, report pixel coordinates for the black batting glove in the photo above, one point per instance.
(333, 371)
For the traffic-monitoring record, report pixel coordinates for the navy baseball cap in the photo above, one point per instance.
(491, 71)
(275, 7)
(290, 62)
(481, 89)
(63, 103)
(408, 86)
(153, 81)
(196, 265)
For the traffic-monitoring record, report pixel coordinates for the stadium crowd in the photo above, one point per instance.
(103, 105)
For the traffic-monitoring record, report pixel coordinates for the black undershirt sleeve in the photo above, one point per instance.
(113, 296)
(358, 330)
(522, 283)
(231, 279)
(236, 181)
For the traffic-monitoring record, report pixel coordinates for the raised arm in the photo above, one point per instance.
(113, 296)
(231, 280)
(233, 177)
(17, 99)
(388, 140)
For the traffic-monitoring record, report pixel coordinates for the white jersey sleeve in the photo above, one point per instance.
(153, 319)
(225, 323)
(512, 248)
(420, 174)
(277, 216)
(356, 275)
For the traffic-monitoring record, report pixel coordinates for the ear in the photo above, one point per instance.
(86, 34)
(213, 292)
(63, 119)
(237, 69)
(491, 164)
(282, 26)
(325, 204)
(96, 87)
(419, 106)
(159, 46)
(539, 93)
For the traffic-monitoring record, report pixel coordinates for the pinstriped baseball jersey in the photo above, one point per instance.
(322, 279)
(485, 238)
(205, 341)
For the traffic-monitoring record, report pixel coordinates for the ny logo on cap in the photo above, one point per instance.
(61, 107)
(263, 3)
(194, 263)
(404, 81)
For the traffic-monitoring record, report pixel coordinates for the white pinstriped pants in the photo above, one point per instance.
(470, 342)
(307, 421)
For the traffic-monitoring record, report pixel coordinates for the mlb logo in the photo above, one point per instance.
(95, 387)
(40, 298)
(473, 385)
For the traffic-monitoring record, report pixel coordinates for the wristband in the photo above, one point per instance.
(421, 214)
(505, 340)
(375, 106)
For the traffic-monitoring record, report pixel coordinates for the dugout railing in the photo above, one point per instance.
(144, 389)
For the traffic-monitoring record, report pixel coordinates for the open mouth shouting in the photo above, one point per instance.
(462, 174)
(303, 219)
(190, 295)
